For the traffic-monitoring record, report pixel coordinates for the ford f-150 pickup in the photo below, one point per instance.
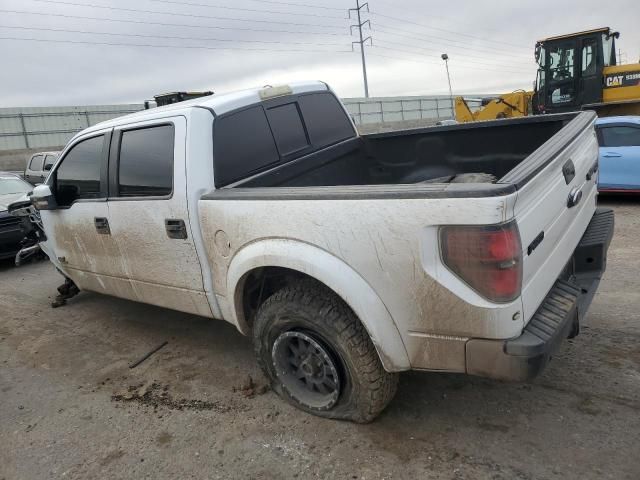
(472, 248)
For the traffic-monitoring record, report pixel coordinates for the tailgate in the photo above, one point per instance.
(556, 199)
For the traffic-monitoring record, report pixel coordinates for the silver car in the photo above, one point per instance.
(39, 165)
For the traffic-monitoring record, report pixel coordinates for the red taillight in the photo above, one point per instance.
(487, 258)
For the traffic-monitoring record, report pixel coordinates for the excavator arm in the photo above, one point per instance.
(509, 105)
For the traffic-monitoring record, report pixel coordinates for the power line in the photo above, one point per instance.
(427, 62)
(171, 37)
(194, 47)
(404, 20)
(224, 7)
(386, 30)
(165, 24)
(431, 15)
(292, 4)
(463, 55)
(190, 15)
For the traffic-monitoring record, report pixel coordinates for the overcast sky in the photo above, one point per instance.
(92, 55)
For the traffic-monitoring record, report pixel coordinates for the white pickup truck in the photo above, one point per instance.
(470, 248)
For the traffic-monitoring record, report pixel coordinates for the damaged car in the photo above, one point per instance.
(12, 189)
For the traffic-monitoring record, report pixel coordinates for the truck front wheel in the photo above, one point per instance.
(319, 357)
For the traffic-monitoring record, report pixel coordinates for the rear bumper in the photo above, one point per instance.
(558, 317)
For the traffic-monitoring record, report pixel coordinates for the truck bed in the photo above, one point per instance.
(432, 155)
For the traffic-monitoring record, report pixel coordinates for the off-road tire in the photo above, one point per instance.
(366, 388)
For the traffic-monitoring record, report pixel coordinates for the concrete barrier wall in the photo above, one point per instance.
(24, 131)
(16, 160)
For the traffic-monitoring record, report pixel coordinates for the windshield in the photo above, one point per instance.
(13, 185)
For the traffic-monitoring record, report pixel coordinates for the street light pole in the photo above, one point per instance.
(445, 57)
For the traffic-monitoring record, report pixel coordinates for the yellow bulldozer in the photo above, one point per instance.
(577, 71)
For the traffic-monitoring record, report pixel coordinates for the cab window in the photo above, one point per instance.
(561, 73)
(78, 176)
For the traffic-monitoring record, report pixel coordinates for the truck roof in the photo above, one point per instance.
(605, 30)
(220, 103)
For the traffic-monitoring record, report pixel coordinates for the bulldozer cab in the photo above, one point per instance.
(570, 70)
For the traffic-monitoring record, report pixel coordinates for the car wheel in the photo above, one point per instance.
(319, 357)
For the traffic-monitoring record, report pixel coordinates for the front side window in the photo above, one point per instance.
(243, 144)
(145, 165)
(36, 163)
(78, 176)
(620, 136)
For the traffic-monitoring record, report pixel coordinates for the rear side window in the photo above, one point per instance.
(327, 122)
(287, 128)
(145, 167)
(78, 176)
(620, 136)
(243, 144)
(36, 163)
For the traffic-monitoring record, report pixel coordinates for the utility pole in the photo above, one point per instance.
(362, 40)
(445, 57)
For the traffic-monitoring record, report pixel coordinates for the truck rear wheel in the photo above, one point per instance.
(319, 357)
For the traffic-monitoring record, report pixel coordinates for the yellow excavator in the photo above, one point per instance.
(577, 71)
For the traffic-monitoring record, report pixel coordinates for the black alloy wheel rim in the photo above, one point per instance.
(306, 369)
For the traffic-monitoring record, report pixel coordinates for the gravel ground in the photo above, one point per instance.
(71, 408)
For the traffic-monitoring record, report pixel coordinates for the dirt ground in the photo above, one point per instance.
(71, 408)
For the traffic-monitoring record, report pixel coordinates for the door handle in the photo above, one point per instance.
(574, 197)
(102, 225)
(175, 228)
(612, 155)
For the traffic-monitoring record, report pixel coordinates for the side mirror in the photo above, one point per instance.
(48, 167)
(43, 199)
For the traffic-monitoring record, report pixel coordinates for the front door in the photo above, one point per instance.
(149, 218)
(77, 231)
(619, 157)
(561, 82)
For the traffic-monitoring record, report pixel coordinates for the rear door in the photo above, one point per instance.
(555, 201)
(619, 157)
(149, 218)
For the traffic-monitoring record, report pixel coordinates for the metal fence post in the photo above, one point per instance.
(24, 132)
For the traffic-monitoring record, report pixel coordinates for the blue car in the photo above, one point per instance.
(619, 139)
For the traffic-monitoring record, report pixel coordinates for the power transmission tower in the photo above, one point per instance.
(362, 40)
